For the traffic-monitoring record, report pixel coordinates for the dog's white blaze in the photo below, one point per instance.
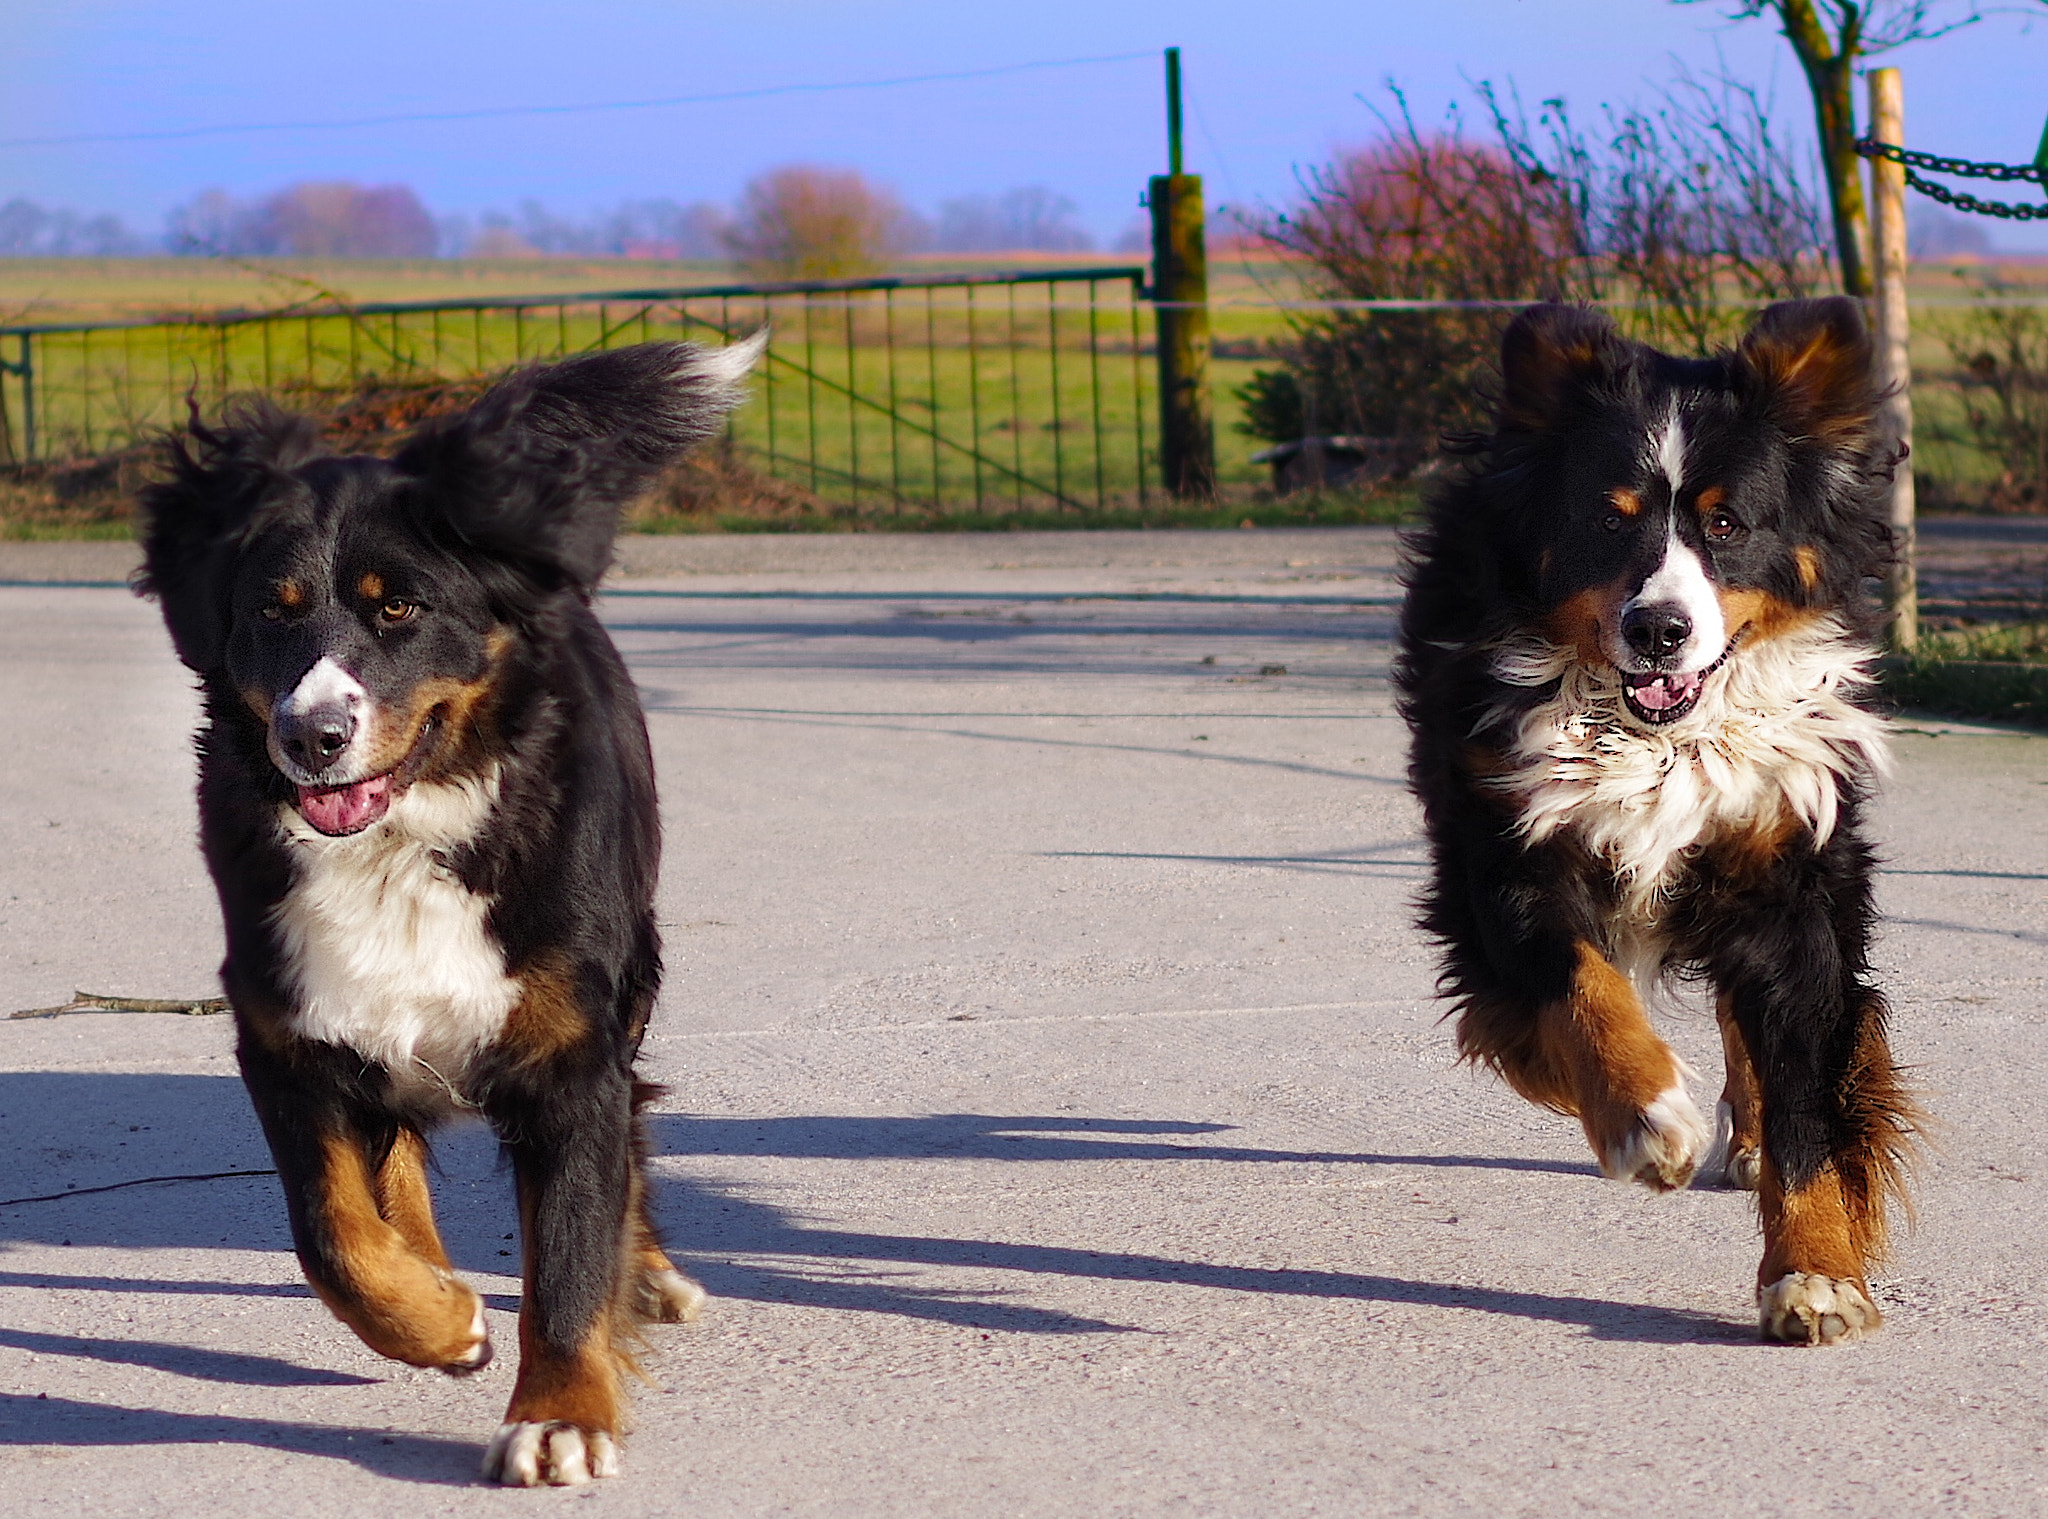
(327, 684)
(1679, 580)
(1774, 732)
(386, 950)
(1667, 448)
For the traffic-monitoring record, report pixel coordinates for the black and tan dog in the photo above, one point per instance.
(428, 804)
(1634, 656)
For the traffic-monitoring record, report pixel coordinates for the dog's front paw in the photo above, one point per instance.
(1806, 1308)
(550, 1454)
(668, 1297)
(1661, 1148)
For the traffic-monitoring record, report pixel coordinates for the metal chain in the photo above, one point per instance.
(1964, 168)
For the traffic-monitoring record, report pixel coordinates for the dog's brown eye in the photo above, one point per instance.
(1721, 527)
(271, 612)
(398, 609)
(1612, 522)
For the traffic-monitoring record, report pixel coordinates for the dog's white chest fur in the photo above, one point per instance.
(388, 953)
(1774, 733)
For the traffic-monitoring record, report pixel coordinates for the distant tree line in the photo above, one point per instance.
(798, 220)
(28, 230)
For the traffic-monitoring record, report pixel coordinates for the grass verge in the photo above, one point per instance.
(1998, 672)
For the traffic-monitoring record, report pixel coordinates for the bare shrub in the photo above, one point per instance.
(802, 221)
(1687, 215)
(2001, 354)
(1415, 216)
(1699, 212)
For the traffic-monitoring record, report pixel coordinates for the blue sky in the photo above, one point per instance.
(1274, 84)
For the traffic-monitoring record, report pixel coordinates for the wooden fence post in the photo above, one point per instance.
(1894, 365)
(1180, 295)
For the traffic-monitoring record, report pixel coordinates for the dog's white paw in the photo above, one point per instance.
(1741, 1165)
(1805, 1308)
(1663, 1147)
(549, 1454)
(478, 1356)
(669, 1297)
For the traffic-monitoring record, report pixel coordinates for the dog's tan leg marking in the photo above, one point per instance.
(1595, 1055)
(1810, 1287)
(404, 1201)
(561, 1427)
(401, 1303)
(1740, 1119)
(1820, 1237)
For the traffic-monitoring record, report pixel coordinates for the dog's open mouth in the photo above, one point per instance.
(1660, 697)
(340, 810)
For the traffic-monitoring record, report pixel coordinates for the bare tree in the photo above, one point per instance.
(807, 222)
(1831, 38)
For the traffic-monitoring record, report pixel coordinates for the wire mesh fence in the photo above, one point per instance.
(1028, 389)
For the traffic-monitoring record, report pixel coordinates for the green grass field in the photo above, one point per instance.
(1039, 395)
(1030, 402)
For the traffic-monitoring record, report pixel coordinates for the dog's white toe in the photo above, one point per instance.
(669, 1297)
(1740, 1166)
(478, 1356)
(1663, 1148)
(549, 1454)
(1806, 1308)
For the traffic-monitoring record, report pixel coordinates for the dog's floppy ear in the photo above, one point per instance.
(192, 524)
(1548, 352)
(1810, 362)
(537, 471)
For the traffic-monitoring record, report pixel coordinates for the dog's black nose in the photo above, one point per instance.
(312, 738)
(1657, 631)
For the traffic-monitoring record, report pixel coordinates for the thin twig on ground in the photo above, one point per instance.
(99, 1002)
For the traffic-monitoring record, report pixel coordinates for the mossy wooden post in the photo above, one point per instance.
(1180, 294)
(1894, 366)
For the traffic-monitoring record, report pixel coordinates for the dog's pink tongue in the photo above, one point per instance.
(345, 809)
(1660, 693)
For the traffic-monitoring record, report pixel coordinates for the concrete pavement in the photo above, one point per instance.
(1058, 1112)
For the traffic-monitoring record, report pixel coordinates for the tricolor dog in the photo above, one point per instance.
(1635, 659)
(427, 801)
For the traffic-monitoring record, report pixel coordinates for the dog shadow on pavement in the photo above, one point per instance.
(110, 1169)
(712, 1223)
(111, 1172)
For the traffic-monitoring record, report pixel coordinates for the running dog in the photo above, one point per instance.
(1635, 661)
(427, 801)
